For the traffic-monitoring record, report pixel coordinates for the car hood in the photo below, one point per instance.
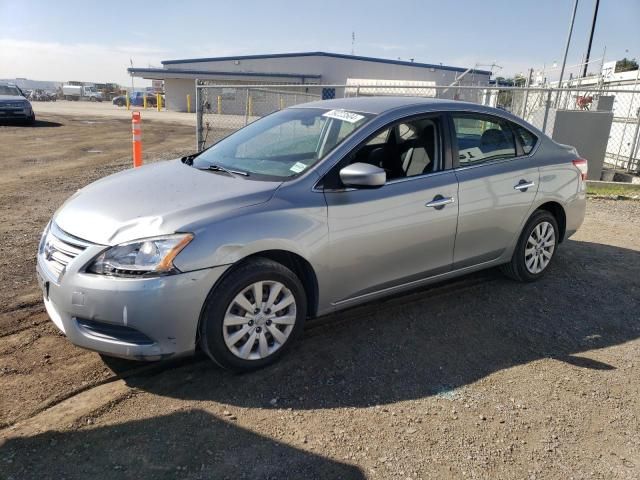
(156, 199)
(11, 98)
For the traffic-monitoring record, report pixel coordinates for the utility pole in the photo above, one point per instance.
(566, 49)
(593, 27)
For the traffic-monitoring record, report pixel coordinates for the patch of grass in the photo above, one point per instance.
(609, 190)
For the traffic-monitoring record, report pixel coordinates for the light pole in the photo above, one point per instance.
(593, 27)
(566, 48)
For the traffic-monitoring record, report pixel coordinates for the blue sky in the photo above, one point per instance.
(64, 40)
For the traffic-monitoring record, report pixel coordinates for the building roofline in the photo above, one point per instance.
(326, 54)
(136, 70)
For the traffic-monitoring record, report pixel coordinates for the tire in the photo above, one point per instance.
(223, 318)
(31, 120)
(524, 267)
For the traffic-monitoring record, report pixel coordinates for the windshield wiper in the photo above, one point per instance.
(220, 168)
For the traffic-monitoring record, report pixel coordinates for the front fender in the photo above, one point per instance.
(275, 225)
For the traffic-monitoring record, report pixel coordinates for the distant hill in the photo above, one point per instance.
(26, 84)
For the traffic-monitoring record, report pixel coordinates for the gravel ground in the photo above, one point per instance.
(477, 378)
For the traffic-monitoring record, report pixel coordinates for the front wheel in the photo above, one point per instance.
(251, 318)
(535, 248)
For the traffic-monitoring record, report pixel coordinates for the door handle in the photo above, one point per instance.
(439, 202)
(524, 185)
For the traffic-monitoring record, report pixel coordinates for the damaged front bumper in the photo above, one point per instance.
(133, 318)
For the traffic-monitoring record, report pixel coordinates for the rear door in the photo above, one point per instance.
(497, 184)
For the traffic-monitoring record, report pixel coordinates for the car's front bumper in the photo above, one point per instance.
(134, 318)
(15, 113)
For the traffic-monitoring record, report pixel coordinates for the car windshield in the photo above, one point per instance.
(8, 90)
(283, 144)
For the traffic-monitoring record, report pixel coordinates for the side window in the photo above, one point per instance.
(482, 138)
(527, 139)
(404, 150)
(381, 138)
(346, 128)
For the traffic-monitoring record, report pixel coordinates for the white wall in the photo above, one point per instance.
(332, 70)
(176, 91)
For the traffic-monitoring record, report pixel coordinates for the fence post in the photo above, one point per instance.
(546, 112)
(219, 104)
(526, 94)
(246, 108)
(188, 103)
(199, 140)
(144, 101)
(634, 144)
(158, 102)
(358, 91)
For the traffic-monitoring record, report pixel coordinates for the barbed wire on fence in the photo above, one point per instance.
(224, 108)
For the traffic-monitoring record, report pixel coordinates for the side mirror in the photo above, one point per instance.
(363, 175)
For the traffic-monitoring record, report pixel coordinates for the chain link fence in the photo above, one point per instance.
(223, 109)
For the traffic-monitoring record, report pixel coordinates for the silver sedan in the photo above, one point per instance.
(304, 212)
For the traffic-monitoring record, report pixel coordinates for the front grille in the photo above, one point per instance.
(16, 105)
(109, 331)
(58, 249)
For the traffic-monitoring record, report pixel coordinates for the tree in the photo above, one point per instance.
(519, 80)
(626, 65)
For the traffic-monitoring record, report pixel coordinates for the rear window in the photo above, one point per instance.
(527, 139)
(482, 138)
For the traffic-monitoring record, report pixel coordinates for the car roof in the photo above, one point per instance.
(378, 105)
(383, 104)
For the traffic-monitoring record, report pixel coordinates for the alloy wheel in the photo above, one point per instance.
(259, 320)
(539, 247)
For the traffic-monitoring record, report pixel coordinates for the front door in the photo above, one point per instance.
(403, 231)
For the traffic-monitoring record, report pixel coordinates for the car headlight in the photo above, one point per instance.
(148, 257)
(43, 237)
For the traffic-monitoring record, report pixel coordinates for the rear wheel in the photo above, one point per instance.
(253, 316)
(535, 249)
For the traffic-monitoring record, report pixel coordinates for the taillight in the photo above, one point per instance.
(582, 165)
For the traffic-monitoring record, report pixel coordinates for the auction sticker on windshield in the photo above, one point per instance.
(298, 167)
(343, 115)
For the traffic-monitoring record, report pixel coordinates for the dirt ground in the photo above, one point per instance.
(476, 378)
